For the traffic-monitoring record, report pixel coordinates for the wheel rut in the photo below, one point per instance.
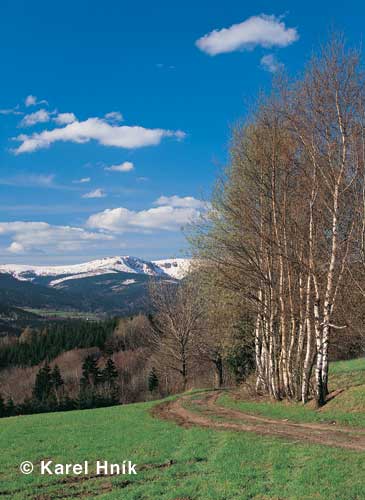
(208, 413)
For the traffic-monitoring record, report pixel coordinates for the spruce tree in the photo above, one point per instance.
(153, 381)
(10, 409)
(110, 373)
(90, 372)
(43, 383)
(2, 406)
(56, 377)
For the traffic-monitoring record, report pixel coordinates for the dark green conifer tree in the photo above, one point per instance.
(110, 373)
(153, 381)
(43, 383)
(10, 408)
(2, 406)
(56, 377)
(91, 374)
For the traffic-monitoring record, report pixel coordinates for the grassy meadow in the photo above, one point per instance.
(177, 463)
(347, 408)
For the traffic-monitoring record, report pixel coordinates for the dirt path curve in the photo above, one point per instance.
(209, 414)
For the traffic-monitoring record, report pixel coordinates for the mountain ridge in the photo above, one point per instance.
(172, 268)
(112, 285)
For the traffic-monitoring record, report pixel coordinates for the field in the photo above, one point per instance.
(59, 314)
(347, 408)
(177, 462)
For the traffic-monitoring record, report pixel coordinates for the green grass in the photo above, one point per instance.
(206, 463)
(55, 313)
(347, 408)
(345, 374)
(353, 365)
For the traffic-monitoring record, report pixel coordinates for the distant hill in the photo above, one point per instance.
(13, 320)
(115, 285)
(14, 292)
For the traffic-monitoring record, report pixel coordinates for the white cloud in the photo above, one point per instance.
(177, 201)
(16, 247)
(83, 180)
(270, 63)
(128, 137)
(43, 116)
(64, 118)
(11, 111)
(101, 229)
(121, 219)
(31, 100)
(33, 180)
(263, 30)
(126, 166)
(96, 193)
(41, 237)
(114, 116)
(40, 116)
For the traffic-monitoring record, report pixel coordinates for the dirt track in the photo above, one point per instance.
(209, 414)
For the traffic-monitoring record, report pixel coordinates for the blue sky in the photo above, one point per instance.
(115, 118)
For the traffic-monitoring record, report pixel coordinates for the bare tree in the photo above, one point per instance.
(220, 317)
(175, 325)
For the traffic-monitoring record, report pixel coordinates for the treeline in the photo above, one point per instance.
(34, 346)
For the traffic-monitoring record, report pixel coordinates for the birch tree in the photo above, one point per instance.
(284, 222)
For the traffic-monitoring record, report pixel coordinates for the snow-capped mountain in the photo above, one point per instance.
(173, 268)
(176, 268)
(113, 286)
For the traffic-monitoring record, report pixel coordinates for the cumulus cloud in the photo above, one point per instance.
(31, 100)
(83, 180)
(96, 193)
(114, 116)
(40, 116)
(43, 116)
(166, 217)
(270, 63)
(263, 30)
(178, 201)
(64, 118)
(16, 247)
(98, 129)
(41, 236)
(126, 166)
(100, 229)
(123, 220)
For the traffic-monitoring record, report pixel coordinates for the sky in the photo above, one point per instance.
(115, 116)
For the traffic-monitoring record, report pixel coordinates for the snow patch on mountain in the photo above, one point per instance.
(128, 282)
(79, 276)
(175, 268)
